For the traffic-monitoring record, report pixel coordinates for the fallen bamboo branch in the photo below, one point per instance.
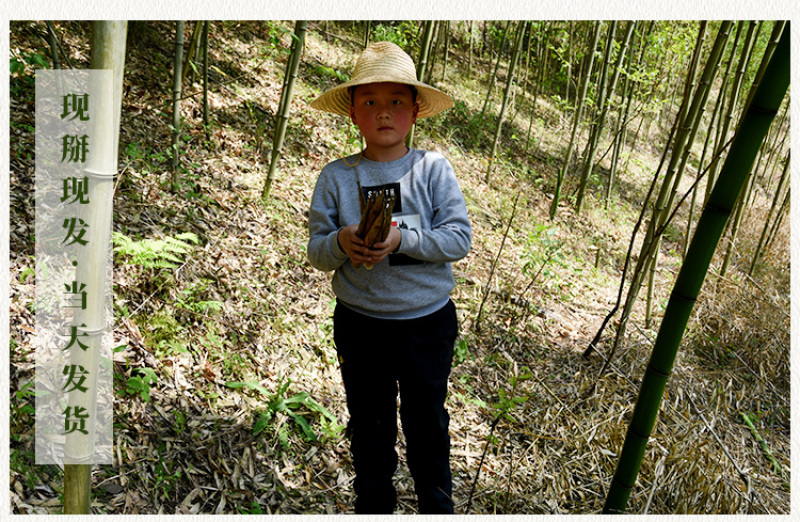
(751, 494)
(776, 467)
(494, 264)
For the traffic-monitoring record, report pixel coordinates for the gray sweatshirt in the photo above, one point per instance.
(431, 215)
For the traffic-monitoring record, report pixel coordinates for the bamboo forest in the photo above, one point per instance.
(624, 308)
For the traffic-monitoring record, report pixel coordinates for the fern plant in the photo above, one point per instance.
(155, 253)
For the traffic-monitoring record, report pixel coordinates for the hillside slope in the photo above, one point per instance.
(246, 413)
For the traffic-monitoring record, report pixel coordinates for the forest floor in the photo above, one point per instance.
(245, 409)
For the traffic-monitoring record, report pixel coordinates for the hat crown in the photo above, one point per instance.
(385, 60)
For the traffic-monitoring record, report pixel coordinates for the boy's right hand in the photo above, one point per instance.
(354, 246)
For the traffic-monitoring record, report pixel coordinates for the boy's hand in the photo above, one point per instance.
(382, 249)
(353, 245)
(359, 253)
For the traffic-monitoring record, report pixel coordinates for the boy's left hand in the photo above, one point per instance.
(379, 251)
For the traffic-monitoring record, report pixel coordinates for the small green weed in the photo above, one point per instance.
(139, 384)
(155, 253)
(291, 406)
(401, 34)
(330, 72)
(461, 352)
(254, 509)
(165, 480)
(190, 299)
(22, 409)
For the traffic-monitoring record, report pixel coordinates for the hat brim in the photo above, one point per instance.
(431, 100)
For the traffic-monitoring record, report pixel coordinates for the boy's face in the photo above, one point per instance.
(384, 113)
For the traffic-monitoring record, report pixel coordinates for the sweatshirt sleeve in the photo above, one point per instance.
(450, 235)
(323, 251)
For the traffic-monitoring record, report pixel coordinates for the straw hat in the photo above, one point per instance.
(384, 62)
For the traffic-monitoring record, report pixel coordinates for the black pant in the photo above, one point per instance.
(378, 357)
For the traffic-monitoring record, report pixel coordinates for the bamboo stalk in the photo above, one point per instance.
(176, 104)
(77, 489)
(108, 52)
(776, 467)
(752, 131)
(424, 51)
(494, 264)
(286, 100)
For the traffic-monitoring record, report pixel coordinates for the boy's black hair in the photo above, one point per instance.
(352, 91)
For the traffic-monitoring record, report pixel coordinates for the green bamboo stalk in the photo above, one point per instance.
(725, 122)
(575, 122)
(778, 191)
(751, 132)
(108, 52)
(623, 115)
(597, 116)
(446, 50)
(777, 30)
(77, 489)
(776, 467)
(285, 104)
(675, 173)
(690, 109)
(194, 41)
(712, 124)
(779, 220)
(176, 100)
(496, 67)
(605, 107)
(506, 95)
(424, 51)
(433, 54)
(471, 39)
(205, 79)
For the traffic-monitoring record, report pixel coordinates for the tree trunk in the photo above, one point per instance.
(778, 192)
(292, 66)
(424, 52)
(446, 50)
(108, 52)
(205, 80)
(678, 138)
(53, 42)
(509, 85)
(604, 105)
(435, 41)
(471, 39)
(688, 119)
(576, 120)
(750, 135)
(176, 101)
(496, 67)
(193, 44)
(732, 103)
(623, 116)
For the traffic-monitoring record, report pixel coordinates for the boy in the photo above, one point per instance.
(394, 324)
